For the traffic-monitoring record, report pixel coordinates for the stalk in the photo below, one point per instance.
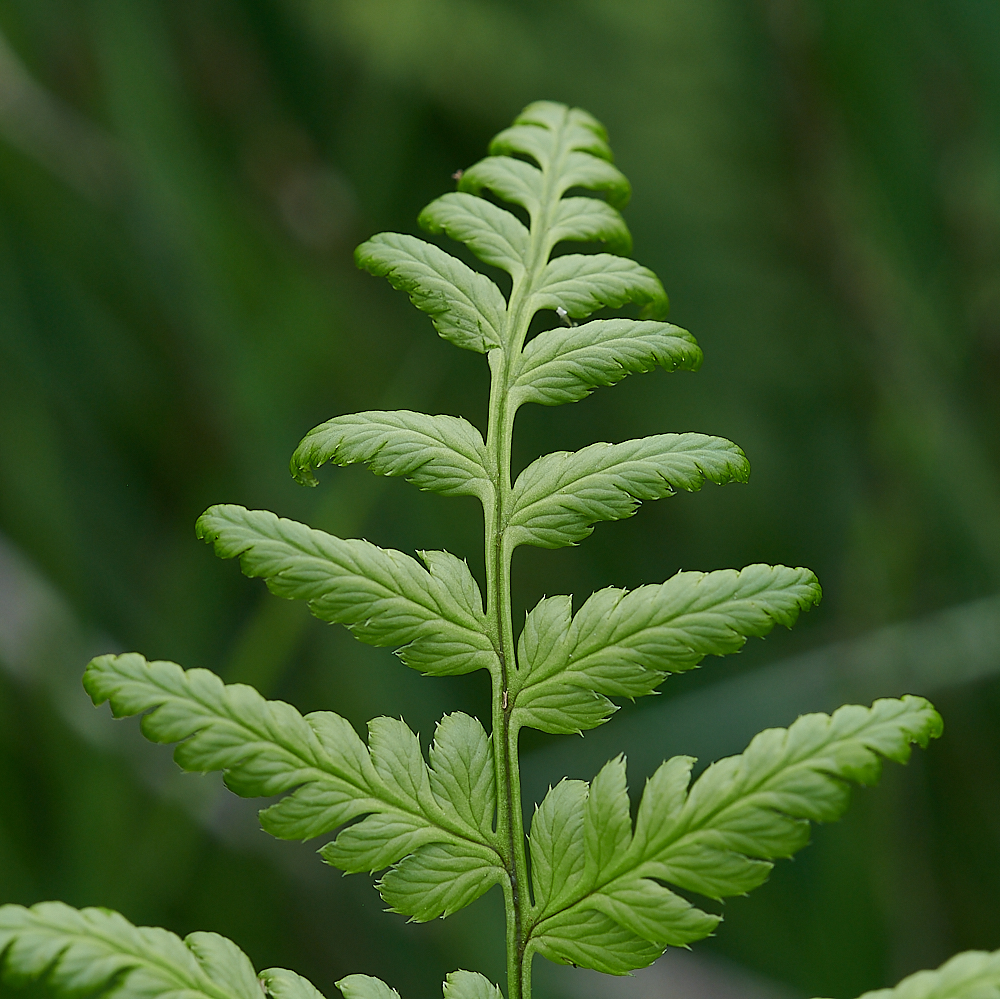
(510, 823)
(510, 830)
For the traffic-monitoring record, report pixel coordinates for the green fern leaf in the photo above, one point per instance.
(558, 498)
(590, 220)
(318, 761)
(566, 365)
(717, 838)
(384, 597)
(560, 708)
(444, 454)
(458, 985)
(623, 644)
(583, 283)
(279, 983)
(587, 938)
(494, 235)
(556, 843)
(470, 985)
(88, 951)
(605, 889)
(461, 774)
(365, 987)
(512, 180)
(437, 881)
(972, 975)
(465, 306)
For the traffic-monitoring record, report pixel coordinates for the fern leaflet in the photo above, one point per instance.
(87, 951)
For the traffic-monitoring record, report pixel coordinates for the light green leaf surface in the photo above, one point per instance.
(365, 987)
(465, 306)
(444, 454)
(972, 975)
(458, 985)
(589, 220)
(493, 234)
(594, 174)
(461, 758)
(383, 596)
(623, 644)
(546, 131)
(512, 180)
(470, 985)
(567, 143)
(438, 880)
(567, 364)
(587, 938)
(716, 837)
(582, 283)
(95, 951)
(558, 497)
(561, 708)
(556, 843)
(283, 984)
(318, 761)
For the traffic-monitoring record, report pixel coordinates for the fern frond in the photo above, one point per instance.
(718, 837)
(446, 831)
(383, 596)
(95, 951)
(318, 761)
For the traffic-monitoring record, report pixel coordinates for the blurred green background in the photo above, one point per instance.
(182, 183)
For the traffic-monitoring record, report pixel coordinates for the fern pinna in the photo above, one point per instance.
(599, 890)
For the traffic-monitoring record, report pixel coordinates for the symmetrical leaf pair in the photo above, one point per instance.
(449, 829)
(594, 879)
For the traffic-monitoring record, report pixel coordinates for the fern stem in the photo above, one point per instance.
(510, 822)
(510, 829)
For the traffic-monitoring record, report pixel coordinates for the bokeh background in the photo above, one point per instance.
(182, 183)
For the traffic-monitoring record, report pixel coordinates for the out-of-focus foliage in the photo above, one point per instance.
(182, 184)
